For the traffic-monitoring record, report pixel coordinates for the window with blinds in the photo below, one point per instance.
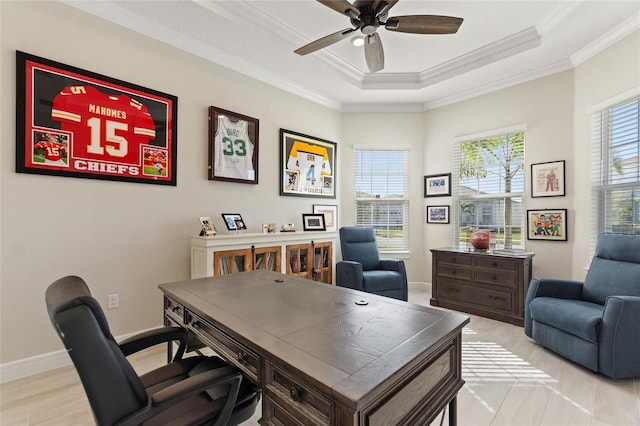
(616, 169)
(381, 192)
(488, 188)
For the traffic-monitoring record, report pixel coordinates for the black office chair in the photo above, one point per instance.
(187, 391)
(362, 269)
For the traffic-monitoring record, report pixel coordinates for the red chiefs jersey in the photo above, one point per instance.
(52, 150)
(105, 127)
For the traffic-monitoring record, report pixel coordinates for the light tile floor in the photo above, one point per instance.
(510, 380)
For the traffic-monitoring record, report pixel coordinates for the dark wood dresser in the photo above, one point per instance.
(490, 285)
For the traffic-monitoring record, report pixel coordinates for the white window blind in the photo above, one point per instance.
(488, 188)
(381, 193)
(616, 169)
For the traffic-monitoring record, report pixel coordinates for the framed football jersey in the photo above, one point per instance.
(73, 122)
(307, 166)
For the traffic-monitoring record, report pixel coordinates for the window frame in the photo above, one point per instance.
(404, 200)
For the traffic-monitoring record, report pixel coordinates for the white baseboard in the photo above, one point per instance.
(40, 363)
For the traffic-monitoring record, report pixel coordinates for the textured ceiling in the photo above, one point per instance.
(500, 43)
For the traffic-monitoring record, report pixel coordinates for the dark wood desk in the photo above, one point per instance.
(319, 357)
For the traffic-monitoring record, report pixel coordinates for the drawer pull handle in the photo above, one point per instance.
(496, 298)
(494, 278)
(454, 260)
(176, 309)
(452, 290)
(495, 264)
(454, 272)
(242, 357)
(195, 325)
(296, 393)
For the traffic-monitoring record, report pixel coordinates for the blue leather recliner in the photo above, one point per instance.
(595, 323)
(362, 269)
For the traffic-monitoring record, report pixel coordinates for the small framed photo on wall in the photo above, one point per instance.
(437, 185)
(437, 214)
(547, 179)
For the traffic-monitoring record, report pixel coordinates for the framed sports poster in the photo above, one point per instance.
(307, 166)
(77, 123)
(233, 146)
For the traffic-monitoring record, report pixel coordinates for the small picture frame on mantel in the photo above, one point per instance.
(208, 229)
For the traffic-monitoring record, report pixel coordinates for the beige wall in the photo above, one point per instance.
(122, 237)
(126, 238)
(384, 130)
(545, 106)
(604, 76)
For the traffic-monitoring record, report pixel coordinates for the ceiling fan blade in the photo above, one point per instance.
(342, 6)
(424, 24)
(324, 41)
(373, 52)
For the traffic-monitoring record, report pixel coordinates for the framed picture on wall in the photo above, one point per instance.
(77, 123)
(547, 179)
(233, 146)
(437, 214)
(307, 166)
(437, 185)
(330, 213)
(547, 224)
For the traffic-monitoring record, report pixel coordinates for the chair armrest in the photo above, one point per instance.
(228, 377)
(549, 287)
(154, 337)
(397, 265)
(349, 274)
(619, 344)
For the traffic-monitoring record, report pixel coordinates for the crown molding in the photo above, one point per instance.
(501, 49)
(627, 27)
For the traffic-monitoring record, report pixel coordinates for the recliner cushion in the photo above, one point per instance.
(375, 281)
(577, 317)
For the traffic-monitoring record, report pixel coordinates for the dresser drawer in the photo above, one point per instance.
(455, 271)
(496, 263)
(471, 294)
(497, 277)
(456, 259)
(225, 346)
(293, 401)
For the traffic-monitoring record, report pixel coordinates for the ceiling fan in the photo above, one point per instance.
(368, 15)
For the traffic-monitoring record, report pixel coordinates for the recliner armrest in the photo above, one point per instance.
(397, 265)
(549, 287)
(154, 337)
(349, 274)
(619, 343)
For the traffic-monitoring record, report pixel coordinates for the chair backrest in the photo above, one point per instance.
(615, 268)
(112, 386)
(358, 243)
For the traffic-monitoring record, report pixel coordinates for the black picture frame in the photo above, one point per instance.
(298, 174)
(548, 179)
(437, 185)
(313, 222)
(77, 123)
(547, 224)
(233, 160)
(234, 221)
(438, 214)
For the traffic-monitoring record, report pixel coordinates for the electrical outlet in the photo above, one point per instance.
(114, 301)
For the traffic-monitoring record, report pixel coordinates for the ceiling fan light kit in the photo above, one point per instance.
(367, 16)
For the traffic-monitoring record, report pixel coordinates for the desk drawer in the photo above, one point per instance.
(292, 401)
(174, 310)
(225, 346)
(497, 263)
(474, 295)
